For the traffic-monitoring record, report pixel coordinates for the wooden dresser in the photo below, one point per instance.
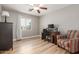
(6, 36)
(54, 37)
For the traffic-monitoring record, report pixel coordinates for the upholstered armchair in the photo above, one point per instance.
(70, 42)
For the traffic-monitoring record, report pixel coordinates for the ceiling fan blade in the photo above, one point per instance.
(31, 9)
(38, 11)
(43, 8)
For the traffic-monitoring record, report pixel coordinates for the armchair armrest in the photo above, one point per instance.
(61, 36)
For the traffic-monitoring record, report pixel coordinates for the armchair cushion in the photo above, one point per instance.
(61, 36)
(61, 42)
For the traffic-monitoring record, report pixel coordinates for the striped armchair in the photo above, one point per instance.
(70, 42)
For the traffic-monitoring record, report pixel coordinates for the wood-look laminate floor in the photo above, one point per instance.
(36, 46)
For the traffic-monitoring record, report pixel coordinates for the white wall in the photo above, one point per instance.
(66, 18)
(14, 19)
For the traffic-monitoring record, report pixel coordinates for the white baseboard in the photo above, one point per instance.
(30, 37)
(27, 37)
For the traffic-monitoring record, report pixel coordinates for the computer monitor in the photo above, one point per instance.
(51, 26)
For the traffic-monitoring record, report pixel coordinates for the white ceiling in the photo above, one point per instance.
(25, 7)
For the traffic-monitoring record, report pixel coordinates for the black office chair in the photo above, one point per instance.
(44, 33)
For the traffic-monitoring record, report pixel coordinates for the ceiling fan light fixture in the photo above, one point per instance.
(36, 8)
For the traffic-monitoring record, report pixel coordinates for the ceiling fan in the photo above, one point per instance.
(37, 7)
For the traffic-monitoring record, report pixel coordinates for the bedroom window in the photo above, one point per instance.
(25, 24)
